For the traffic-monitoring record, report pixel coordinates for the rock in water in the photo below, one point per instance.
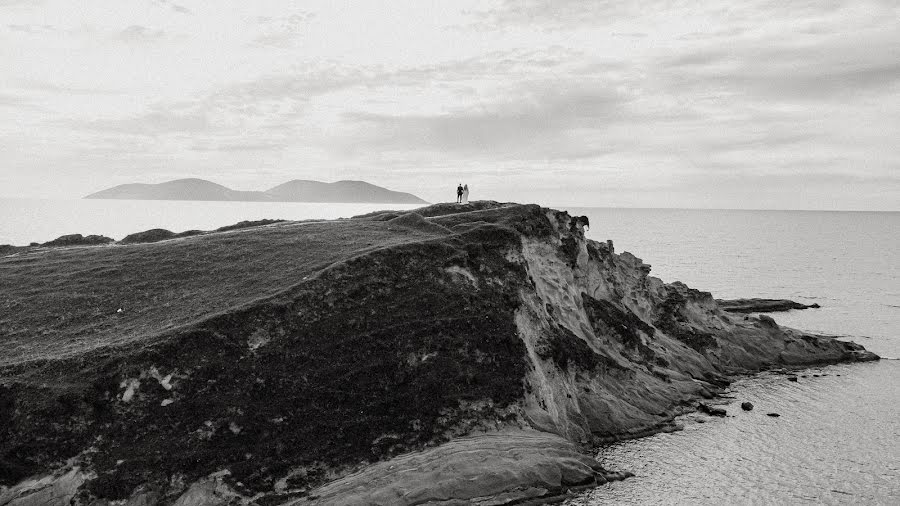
(761, 305)
(711, 410)
(747, 406)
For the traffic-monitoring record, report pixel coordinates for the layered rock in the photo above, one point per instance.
(486, 321)
(762, 305)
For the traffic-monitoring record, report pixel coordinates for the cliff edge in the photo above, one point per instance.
(454, 354)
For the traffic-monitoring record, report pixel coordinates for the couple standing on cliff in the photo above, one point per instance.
(462, 194)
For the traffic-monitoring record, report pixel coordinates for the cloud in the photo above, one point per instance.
(31, 28)
(568, 14)
(651, 95)
(11, 100)
(542, 119)
(174, 6)
(17, 3)
(281, 32)
(238, 146)
(139, 33)
(46, 87)
(158, 121)
(836, 67)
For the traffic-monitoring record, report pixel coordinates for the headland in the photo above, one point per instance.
(455, 353)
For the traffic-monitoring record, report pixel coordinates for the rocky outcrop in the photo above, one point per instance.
(762, 305)
(152, 235)
(480, 344)
(79, 240)
(161, 234)
(711, 410)
(503, 467)
(50, 490)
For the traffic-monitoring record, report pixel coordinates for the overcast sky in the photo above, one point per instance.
(781, 104)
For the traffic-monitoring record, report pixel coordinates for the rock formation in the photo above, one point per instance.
(391, 359)
(761, 305)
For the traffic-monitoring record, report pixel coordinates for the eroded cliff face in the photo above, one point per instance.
(616, 353)
(502, 318)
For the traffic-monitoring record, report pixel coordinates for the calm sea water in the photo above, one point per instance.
(838, 437)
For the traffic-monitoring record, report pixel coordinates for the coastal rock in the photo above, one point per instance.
(49, 490)
(761, 305)
(792, 378)
(711, 410)
(747, 406)
(509, 466)
(291, 357)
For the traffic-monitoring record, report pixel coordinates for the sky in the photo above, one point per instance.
(759, 104)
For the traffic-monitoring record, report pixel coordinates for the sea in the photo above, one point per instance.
(837, 439)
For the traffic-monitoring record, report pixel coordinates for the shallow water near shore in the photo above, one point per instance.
(836, 440)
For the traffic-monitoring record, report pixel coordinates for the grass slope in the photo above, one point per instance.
(226, 358)
(59, 302)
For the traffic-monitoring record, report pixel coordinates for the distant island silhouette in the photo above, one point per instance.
(298, 190)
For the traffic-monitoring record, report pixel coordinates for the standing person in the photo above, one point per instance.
(465, 195)
(459, 192)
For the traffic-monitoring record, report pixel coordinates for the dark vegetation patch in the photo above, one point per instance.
(247, 224)
(607, 319)
(383, 354)
(569, 249)
(563, 347)
(156, 235)
(153, 235)
(673, 323)
(79, 240)
(600, 251)
(9, 249)
(566, 350)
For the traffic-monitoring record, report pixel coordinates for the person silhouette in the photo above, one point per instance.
(459, 193)
(465, 194)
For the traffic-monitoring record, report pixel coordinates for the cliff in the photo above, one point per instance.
(456, 353)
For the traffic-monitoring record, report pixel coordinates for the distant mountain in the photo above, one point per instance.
(300, 190)
(180, 189)
(292, 191)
